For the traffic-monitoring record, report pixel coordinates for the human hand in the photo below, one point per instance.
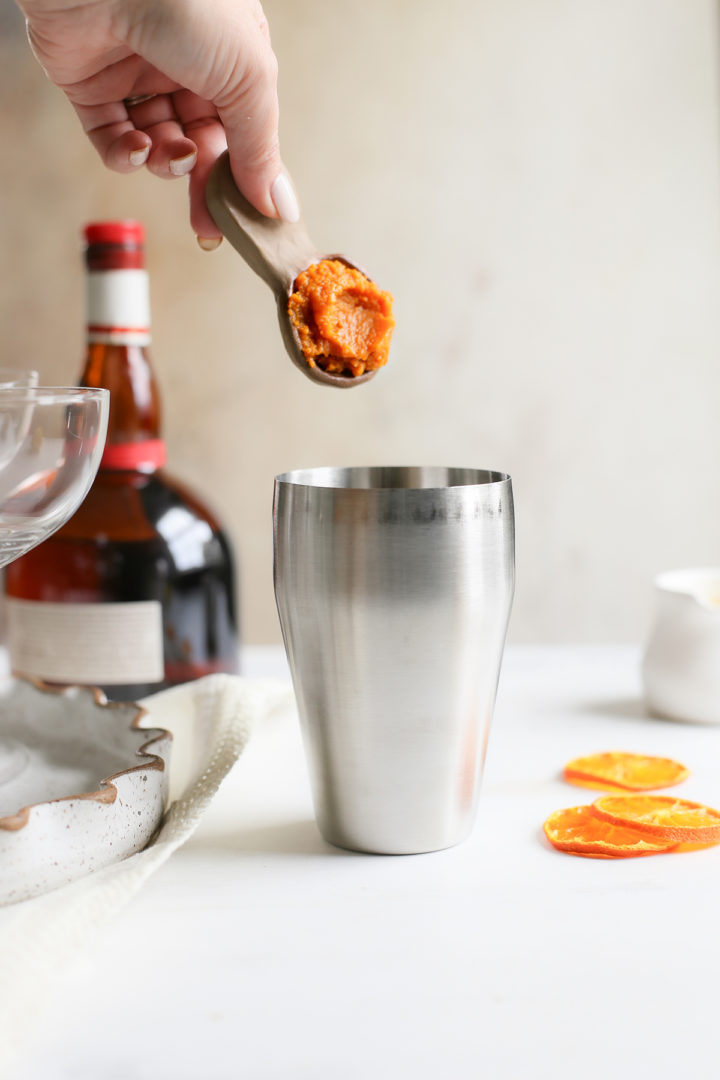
(169, 84)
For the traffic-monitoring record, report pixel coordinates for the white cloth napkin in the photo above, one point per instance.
(211, 721)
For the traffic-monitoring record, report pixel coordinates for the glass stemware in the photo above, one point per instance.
(51, 442)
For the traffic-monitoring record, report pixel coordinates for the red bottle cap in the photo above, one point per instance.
(125, 233)
(114, 245)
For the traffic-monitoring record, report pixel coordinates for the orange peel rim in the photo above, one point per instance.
(649, 812)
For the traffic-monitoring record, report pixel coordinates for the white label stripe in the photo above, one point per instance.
(115, 644)
(118, 299)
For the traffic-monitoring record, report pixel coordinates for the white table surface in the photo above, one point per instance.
(259, 951)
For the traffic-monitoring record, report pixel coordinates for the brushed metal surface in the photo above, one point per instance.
(394, 587)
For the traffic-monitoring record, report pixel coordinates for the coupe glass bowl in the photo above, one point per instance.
(51, 442)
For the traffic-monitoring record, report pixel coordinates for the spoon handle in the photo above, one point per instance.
(276, 250)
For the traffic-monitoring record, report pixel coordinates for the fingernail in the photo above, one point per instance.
(284, 199)
(209, 243)
(139, 157)
(181, 166)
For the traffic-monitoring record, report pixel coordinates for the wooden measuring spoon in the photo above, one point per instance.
(277, 251)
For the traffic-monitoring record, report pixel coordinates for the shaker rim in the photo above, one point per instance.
(392, 477)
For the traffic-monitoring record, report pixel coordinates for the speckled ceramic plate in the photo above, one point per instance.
(81, 785)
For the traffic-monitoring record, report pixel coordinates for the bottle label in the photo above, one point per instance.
(110, 644)
(143, 456)
(118, 306)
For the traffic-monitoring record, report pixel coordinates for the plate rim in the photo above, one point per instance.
(106, 791)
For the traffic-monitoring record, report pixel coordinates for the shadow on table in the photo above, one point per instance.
(619, 709)
(632, 709)
(289, 838)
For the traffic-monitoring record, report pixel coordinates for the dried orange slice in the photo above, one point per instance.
(595, 785)
(579, 831)
(660, 817)
(629, 772)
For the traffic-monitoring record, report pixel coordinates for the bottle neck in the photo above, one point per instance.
(118, 307)
(118, 333)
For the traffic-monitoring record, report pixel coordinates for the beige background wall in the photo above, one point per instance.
(537, 183)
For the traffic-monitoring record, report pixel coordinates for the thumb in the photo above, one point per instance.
(249, 113)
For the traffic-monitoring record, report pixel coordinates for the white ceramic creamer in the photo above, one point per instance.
(681, 665)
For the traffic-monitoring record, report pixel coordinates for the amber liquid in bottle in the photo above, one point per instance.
(136, 592)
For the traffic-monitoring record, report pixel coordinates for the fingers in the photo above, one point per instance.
(120, 145)
(150, 133)
(210, 143)
(174, 135)
(201, 123)
(114, 130)
(173, 153)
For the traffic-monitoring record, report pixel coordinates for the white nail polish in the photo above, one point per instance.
(183, 165)
(139, 157)
(284, 199)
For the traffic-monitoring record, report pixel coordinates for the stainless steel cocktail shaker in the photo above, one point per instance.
(394, 588)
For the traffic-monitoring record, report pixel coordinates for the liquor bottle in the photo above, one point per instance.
(136, 591)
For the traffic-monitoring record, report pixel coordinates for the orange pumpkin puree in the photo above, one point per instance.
(343, 319)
